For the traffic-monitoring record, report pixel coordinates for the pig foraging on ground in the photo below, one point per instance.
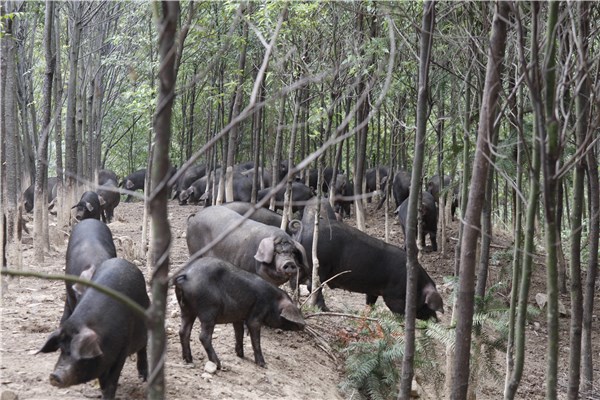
(375, 268)
(217, 292)
(255, 247)
(101, 332)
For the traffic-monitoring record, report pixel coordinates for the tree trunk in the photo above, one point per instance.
(414, 199)
(592, 271)
(75, 27)
(161, 233)
(9, 127)
(40, 227)
(582, 111)
(465, 299)
(235, 111)
(512, 381)
(550, 156)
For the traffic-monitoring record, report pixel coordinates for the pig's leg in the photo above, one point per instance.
(109, 380)
(206, 333)
(238, 327)
(187, 322)
(142, 364)
(254, 329)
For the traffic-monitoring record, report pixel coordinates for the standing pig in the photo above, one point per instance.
(88, 206)
(96, 339)
(255, 247)
(374, 267)
(91, 243)
(429, 219)
(29, 194)
(400, 188)
(133, 182)
(217, 292)
(109, 199)
(300, 194)
(106, 175)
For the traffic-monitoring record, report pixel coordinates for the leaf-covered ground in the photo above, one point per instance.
(303, 365)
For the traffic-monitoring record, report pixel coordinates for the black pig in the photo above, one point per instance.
(375, 268)
(96, 339)
(217, 292)
(429, 219)
(29, 194)
(91, 243)
(88, 206)
(255, 247)
(133, 182)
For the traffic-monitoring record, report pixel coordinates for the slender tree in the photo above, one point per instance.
(161, 232)
(426, 43)
(487, 115)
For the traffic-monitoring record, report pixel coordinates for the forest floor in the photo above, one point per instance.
(299, 365)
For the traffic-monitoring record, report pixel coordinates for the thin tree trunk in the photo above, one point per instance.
(582, 111)
(71, 171)
(550, 157)
(10, 131)
(40, 226)
(466, 289)
(592, 271)
(512, 382)
(161, 233)
(427, 26)
(235, 111)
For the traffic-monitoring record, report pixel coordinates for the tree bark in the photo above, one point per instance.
(426, 41)
(40, 226)
(465, 299)
(161, 233)
(582, 112)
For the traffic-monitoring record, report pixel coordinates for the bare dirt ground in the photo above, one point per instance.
(299, 365)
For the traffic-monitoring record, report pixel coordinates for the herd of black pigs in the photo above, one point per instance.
(237, 280)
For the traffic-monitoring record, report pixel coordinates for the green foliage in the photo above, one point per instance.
(374, 354)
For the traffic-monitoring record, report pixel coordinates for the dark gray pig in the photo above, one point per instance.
(91, 243)
(217, 292)
(29, 194)
(255, 247)
(262, 215)
(133, 182)
(191, 175)
(109, 199)
(371, 180)
(96, 339)
(105, 175)
(375, 268)
(400, 188)
(300, 195)
(429, 219)
(88, 206)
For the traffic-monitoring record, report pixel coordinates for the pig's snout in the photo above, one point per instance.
(290, 267)
(56, 380)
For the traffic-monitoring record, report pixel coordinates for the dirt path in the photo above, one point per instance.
(297, 365)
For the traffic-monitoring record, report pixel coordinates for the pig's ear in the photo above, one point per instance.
(89, 207)
(102, 201)
(433, 299)
(292, 314)
(52, 343)
(85, 345)
(79, 288)
(266, 250)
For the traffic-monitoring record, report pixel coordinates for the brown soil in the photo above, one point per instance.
(301, 365)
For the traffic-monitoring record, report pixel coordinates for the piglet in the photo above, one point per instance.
(217, 292)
